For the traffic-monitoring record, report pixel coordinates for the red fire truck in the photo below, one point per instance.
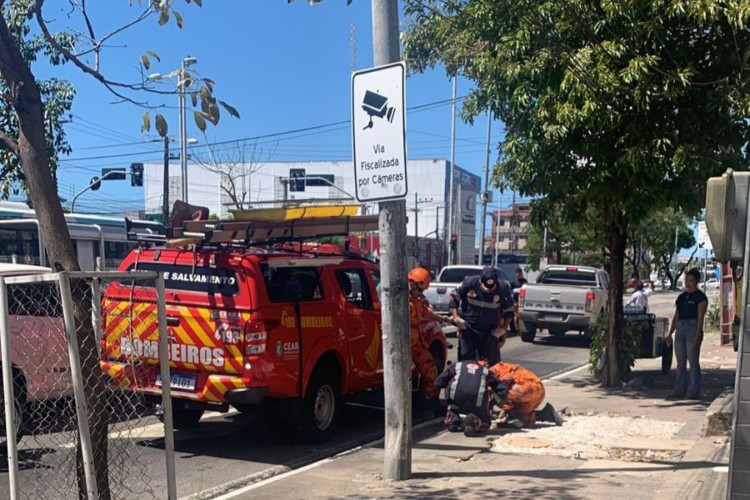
(258, 315)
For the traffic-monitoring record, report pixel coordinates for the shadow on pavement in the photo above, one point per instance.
(570, 340)
(28, 459)
(652, 384)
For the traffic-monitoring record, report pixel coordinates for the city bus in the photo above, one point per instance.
(99, 242)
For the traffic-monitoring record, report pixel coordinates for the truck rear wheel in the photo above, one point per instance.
(321, 406)
(184, 418)
(528, 332)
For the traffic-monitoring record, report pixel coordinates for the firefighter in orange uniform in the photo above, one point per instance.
(420, 311)
(525, 394)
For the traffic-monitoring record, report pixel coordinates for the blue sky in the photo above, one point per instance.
(283, 66)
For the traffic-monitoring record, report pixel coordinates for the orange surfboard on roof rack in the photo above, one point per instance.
(294, 213)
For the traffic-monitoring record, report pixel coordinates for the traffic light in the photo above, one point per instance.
(136, 174)
(454, 242)
(726, 214)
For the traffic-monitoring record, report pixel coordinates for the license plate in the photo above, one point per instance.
(552, 316)
(178, 381)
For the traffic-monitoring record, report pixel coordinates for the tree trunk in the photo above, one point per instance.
(31, 150)
(611, 375)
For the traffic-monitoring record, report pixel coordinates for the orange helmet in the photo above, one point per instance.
(420, 276)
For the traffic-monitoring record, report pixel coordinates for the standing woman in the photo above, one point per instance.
(690, 309)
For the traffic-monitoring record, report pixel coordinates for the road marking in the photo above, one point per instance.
(565, 374)
(270, 480)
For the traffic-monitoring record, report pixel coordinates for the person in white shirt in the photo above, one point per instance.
(640, 296)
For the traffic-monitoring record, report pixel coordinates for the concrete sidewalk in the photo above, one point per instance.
(628, 443)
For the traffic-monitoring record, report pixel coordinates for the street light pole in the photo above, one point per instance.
(94, 183)
(181, 89)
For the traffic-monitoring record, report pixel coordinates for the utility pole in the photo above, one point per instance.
(416, 227)
(416, 211)
(512, 245)
(676, 262)
(437, 238)
(395, 318)
(497, 225)
(451, 203)
(457, 227)
(486, 191)
(165, 184)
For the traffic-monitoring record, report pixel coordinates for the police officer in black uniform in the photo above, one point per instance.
(467, 385)
(486, 309)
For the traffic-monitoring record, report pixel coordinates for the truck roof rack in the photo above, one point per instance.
(248, 232)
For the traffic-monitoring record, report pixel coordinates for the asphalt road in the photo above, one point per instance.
(236, 448)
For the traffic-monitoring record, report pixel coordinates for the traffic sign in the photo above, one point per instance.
(379, 132)
(704, 241)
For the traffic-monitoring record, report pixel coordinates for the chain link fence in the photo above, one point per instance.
(83, 349)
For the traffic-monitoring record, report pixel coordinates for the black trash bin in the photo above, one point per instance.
(653, 332)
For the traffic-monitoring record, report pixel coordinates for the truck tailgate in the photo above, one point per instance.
(552, 299)
(439, 295)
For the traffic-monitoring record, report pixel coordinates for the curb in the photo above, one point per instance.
(718, 419)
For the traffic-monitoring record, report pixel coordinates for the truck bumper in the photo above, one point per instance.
(217, 389)
(248, 396)
(559, 321)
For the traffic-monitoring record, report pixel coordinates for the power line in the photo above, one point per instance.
(344, 123)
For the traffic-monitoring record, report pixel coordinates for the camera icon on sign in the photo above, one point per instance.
(375, 104)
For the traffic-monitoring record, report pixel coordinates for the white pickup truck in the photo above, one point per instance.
(564, 298)
(439, 293)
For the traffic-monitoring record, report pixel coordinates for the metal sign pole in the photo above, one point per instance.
(9, 397)
(392, 224)
(166, 388)
(82, 412)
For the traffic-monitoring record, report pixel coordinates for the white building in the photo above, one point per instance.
(255, 183)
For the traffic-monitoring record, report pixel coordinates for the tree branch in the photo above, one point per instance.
(6, 141)
(36, 9)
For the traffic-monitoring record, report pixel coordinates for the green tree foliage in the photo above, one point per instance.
(623, 107)
(57, 99)
(654, 238)
(29, 105)
(582, 237)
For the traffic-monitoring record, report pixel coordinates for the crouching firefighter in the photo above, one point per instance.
(419, 312)
(470, 388)
(525, 395)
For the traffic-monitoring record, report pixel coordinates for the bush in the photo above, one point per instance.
(630, 346)
(714, 314)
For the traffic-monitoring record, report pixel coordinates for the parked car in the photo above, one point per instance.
(438, 294)
(712, 284)
(41, 367)
(564, 298)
